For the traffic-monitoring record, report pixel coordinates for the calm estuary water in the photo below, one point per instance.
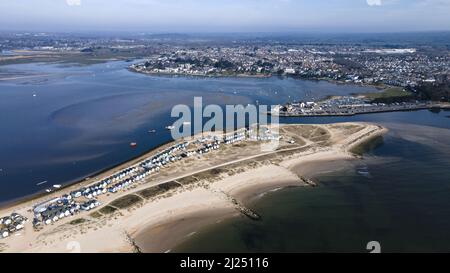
(71, 122)
(64, 123)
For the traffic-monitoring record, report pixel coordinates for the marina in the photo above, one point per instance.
(350, 106)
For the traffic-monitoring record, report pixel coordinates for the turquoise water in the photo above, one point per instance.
(397, 195)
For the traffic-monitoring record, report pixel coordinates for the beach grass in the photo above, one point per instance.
(158, 190)
(77, 221)
(96, 214)
(107, 210)
(126, 201)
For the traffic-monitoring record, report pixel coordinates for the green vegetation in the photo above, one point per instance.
(159, 189)
(434, 92)
(425, 91)
(126, 201)
(389, 95)
(107, 210)
(211, 175)
(224, 64)
(96, 214)
(77, 221)
(188, 180)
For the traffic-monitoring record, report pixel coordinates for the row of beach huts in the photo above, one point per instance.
(85, 198)
(11, 224)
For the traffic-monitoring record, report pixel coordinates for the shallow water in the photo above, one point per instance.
(398, 195)
(79, 120)
(73, 121)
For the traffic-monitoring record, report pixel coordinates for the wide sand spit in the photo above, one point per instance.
(168, 207)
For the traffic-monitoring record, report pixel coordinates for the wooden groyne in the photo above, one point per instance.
(240, 207)
(308, 182)
(136, 248)
(246, 211)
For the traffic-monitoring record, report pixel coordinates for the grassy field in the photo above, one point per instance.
(158, 190)
(391, 92)
(77, 221)
(126, 201)
(107, 210)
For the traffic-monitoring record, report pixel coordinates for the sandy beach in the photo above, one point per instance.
(207, 190)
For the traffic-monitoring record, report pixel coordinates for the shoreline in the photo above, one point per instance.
(87, 179)
(309, 166)
(211, 195)
(152, 238)
(131, 69)
(262, 76)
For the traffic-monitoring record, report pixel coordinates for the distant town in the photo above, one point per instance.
(410, 65)
(355, 64)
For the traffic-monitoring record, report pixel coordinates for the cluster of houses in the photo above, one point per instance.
(59, 208)
(55, 210)
(122, 184)
(348, 105)
(264, 134)
(91, 204)
(123, 179)
(236, 137)
(103, 186)
(171, 154)
(207, 147)
(10, 224)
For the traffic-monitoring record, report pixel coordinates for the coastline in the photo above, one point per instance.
(84, 180)
(156, 237)
(262, 76)
(198, 75)
(184, 210)
(437, 105)
(308, 166)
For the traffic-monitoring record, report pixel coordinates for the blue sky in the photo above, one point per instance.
(225, 15)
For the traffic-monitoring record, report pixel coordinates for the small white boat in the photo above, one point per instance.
(56, 186)
(48, 190)
(170, 127)
(40, 183)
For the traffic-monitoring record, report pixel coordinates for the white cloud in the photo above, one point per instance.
(73, 2)
(374, 2)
